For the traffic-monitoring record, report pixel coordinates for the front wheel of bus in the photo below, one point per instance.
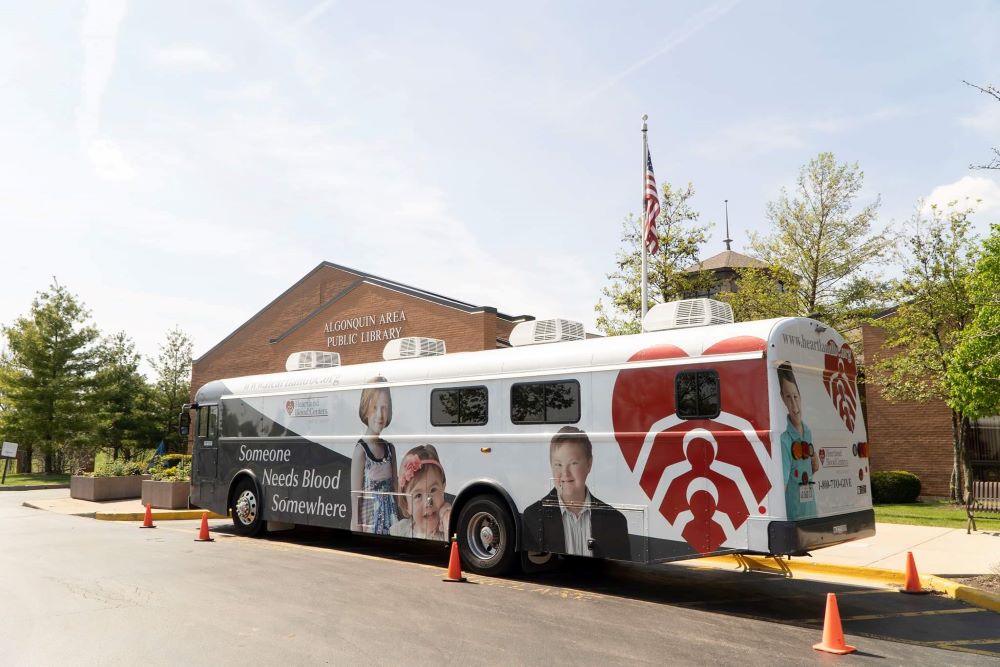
(246, 509)
(486, 536)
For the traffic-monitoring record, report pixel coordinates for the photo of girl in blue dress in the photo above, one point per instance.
(374, 481)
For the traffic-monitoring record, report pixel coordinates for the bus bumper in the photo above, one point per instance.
(795, 538)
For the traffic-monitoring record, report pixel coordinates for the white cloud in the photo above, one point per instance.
(761, 136)
(752, 138)
(688, 29)
(313, 14)
(193, 58)
(99, 39)
(986, 120)
(109, 161)
(979, 191)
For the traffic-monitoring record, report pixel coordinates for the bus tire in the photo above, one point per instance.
(486, 536)
(246, 508)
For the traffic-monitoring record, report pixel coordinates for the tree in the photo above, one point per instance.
(763, 293)
(122, 399)
(818, 237)
(993, 92)
(173, 385)
(934, 310)
(46, 374)
(974, 375)
(680, 238)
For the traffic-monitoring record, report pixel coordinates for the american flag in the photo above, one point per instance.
(652, 209)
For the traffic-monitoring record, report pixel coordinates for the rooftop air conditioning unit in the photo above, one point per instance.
(533, 332)
(687, 313)
(303, 361)
(412, 347)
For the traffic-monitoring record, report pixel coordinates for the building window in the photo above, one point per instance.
(697, 394)
(545, 402)
(459, 406)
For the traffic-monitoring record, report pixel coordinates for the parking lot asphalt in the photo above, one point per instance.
(870, 606)
(867, 609)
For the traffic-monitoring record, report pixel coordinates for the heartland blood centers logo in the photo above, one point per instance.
(705, 476)
(840, 378)
(290, 406)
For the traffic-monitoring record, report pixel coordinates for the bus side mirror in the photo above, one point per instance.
(184, 423)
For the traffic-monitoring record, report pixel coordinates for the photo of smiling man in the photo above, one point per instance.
(570, 520)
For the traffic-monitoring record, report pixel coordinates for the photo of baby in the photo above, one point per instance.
(799, 459)
(570, 519)
(373, 466)
(422, 501)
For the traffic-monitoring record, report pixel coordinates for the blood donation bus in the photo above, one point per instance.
(698, 437)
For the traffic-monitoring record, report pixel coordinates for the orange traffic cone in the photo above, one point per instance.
(454, 564)
(833, 634)
(147, 522)
(912, 578)
(203, 533)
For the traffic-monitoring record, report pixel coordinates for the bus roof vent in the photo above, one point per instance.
(687, 313)
(411, 347)
(533, 332)
(303, 361)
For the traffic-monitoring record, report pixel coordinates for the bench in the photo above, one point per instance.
(984, 502)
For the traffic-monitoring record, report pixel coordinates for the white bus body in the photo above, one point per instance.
(696, 447)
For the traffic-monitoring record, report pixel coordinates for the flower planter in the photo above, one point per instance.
(165, 494)
(105, 488)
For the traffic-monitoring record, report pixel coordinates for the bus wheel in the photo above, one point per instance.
(486, 536)
(246, 509)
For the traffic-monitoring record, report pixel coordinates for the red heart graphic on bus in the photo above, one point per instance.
(709, 465)
(840, 381)
(289, 406)
(822, 456)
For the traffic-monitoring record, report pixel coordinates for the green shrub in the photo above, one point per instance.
(894, 486)
(172, 468)
(119, 468)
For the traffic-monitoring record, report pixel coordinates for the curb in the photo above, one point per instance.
(34, 487)
(974, 596)
(157, 515)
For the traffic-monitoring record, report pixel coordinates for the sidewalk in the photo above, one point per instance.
(946, 552)
(130, 509)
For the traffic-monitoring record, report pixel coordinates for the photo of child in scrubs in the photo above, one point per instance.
(799, 460)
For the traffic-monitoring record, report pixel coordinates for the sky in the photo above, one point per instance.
(184, 163)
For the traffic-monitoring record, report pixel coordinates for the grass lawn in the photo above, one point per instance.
(941, 513)
(33, 479)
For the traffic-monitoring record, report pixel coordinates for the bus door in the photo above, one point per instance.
(205, 470)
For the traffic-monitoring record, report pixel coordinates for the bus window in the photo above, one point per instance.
(545, 402)
(203, 421)
(213, 421)
(459, 406)
(697, 394)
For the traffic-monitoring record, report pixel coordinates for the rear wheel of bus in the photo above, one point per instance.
(486, 536)
(246, 508)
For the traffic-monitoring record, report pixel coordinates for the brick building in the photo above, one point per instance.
(907, 435)
(917, 436)
(334, 308)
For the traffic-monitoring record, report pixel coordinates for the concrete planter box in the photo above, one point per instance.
(105, 488)
(165, 494)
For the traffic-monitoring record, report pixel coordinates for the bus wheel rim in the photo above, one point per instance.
(484, 536)
(246, 507)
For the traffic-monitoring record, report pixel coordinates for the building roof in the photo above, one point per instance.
(361, 279)
(727, 259)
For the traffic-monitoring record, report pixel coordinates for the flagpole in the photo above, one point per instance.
(642, 227)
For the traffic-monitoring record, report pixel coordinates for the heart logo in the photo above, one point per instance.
(289, 406)
(822, 456)
(704, 476)
(840, 375)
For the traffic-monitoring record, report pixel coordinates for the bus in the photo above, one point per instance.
(698, 437)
